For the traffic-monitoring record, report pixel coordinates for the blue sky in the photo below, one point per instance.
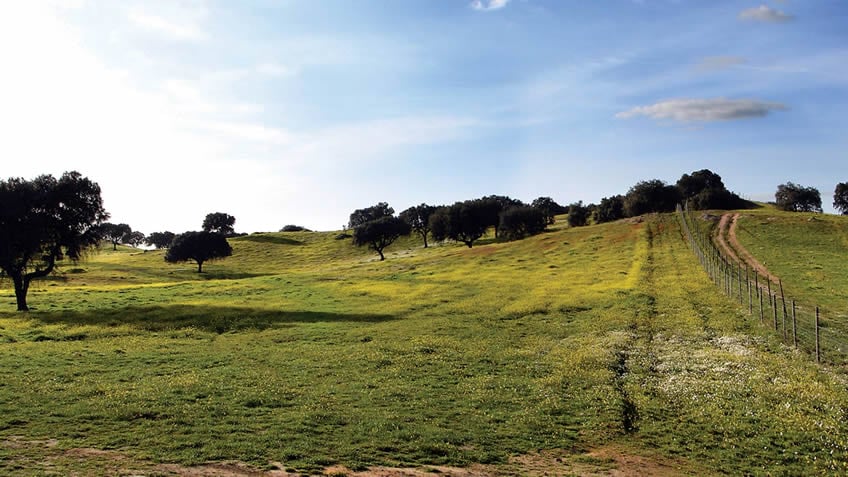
(298, 112)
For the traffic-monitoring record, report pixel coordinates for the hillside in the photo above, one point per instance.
(576, 351)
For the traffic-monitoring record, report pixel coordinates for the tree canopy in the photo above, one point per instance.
(522, 221)
(797, 198)
(219, 222)
(43, 221)
(578, 214)
(114, 233)
(133, 239)
(360, 216)
(704, 189)
(840, 198)
(610, 208)
(550, 208)
(650, 196)
(198, 246)
(418, 218)
(160, 239)
(380, 233)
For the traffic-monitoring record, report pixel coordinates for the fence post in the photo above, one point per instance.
(774, 309)
(794, 327)
(818, 349)
(748, 284)
(762, 315)
(739, 275)
(783, 301)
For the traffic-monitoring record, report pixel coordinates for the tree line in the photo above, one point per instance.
(46, 220)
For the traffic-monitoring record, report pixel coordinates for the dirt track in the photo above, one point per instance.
(728, 242)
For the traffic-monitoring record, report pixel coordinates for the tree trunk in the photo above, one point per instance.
(21, 288)
(469, 243)
(199, 267)
(114, 246)
(425, 239)
(381, 255)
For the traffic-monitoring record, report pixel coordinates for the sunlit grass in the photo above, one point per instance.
(305, 350)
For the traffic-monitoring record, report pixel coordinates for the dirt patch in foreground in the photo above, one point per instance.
(46, 456)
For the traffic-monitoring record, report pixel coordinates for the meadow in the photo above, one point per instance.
(302, 352)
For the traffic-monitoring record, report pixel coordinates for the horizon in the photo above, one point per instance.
(300, 112)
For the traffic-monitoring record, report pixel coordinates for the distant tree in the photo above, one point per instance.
(114, 233)
(490, 207)
(219, 222)
(550, 208)
(418, 218)
(43, 221)
(133, 239)
(380, 233)
(440, 223)
(360, 216)
(704, 189)
(294, 228)
(468, 221)
(522, 221)
(160, 239)
(797, 198)
(650, 196)
(610, 209)
(578, 214)
(198, 246)
(840, 198)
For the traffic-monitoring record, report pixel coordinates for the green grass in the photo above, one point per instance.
(305, 350)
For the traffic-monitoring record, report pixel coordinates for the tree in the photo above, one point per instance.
(198, 246)
(519, 222)
(610, 208)
(160, 239)
(704, 189)
(650, 196)
(360, 216)
(691, 185)
(43, 221)
(418, 218)
(578, 214)
(294, 228)
(840, 198)
(550, 208)
(114, 233)
(467, 221)
(797, 198)
(133, 239)
(380, 233)
(219, 222)
(440, 223)
(489, 208)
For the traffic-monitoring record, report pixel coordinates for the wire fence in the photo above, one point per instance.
(801, 325)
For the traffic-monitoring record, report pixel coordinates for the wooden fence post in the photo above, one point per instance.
(762, 316)
(783, 301)
(774, 310)
(818, 349)
(794, 327)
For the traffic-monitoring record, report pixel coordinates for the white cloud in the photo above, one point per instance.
(764, 13)
(488, 5)
(717, 109)
(187, 31)
(715, 63)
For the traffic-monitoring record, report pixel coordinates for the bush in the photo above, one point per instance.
(294, 228)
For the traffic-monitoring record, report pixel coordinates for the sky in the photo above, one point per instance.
(300, 111)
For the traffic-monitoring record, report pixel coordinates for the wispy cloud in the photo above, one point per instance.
(704, 110)
(488, 5)
(764, 13)
(715, 63)
(169, 28)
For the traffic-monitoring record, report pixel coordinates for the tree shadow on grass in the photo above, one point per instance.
(216, 319)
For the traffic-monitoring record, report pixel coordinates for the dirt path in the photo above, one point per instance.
(728, 241)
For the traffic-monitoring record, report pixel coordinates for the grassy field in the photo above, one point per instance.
(303, 352)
